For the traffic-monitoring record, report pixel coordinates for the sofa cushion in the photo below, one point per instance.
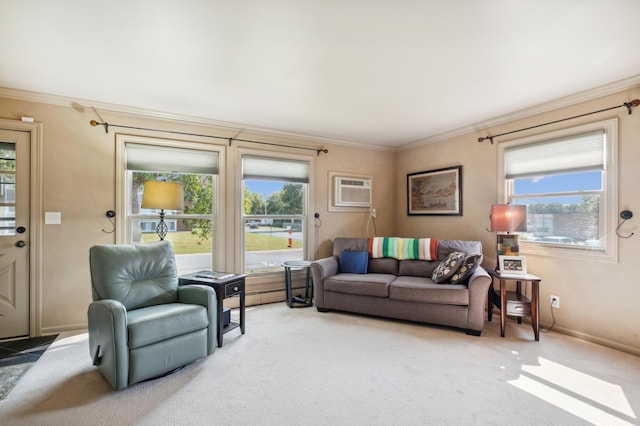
(446, 247)
(467, 268)
(447, 267)
(352, 244)
(417, 268)
(161, 322)
(385, 265)
(363, 284)
(424, 290)
(354, 262)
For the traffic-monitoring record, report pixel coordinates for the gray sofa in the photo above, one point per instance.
(403, 289)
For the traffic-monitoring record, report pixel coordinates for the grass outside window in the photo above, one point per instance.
(188, 242)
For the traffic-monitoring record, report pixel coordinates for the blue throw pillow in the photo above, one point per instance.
(354, 262)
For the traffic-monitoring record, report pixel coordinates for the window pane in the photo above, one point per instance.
(273, 198)
(198, 191)
(571, 220)
(7, 156)
(270, 241)
(270, 238)
(586, 181)
(7, 188)
(191, 234)
(192, 241)
(8, 220)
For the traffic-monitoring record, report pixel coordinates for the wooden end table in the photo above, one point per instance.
(514, 303)
(225, 287)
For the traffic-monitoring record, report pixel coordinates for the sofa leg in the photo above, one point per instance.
(473, 332)
(322, 309)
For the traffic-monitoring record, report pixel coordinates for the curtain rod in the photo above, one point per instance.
(629, 105)
(106, 125)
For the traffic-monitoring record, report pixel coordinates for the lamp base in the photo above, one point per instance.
(162, 228)
(508, 245)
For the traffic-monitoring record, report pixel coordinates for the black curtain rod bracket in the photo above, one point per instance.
(629, 105)
(106, 125)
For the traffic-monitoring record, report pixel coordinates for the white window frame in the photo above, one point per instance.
(308, 236)
(123, 220)
(608, 200)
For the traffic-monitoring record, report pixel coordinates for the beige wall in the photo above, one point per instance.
(79, 173)
(380, 165)
(599, 300)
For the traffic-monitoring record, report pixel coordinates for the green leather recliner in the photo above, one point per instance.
(141, 323)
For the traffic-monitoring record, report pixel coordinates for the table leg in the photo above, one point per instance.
(503, 306)
(287, 285)
(242, 310)
(306, 287)
(310, 285)
(534, 309)
(490, 301)
(220, 333)
(519, 293)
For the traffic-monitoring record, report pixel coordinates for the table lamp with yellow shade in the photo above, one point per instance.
(163, 196)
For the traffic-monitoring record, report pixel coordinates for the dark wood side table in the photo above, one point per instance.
(514, 303)
(224, 287)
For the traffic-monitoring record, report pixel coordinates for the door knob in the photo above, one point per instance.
(20, 243)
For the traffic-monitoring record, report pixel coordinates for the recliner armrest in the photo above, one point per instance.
(197, 294)
(107, 320)
(203, 295)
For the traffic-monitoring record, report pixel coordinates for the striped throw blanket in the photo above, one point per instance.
(403, 248)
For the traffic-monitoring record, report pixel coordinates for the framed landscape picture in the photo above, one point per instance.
(435, 192)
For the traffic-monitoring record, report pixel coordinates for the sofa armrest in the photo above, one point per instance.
(479, 283)
(321, 269)
(108, 346)
(203, 295)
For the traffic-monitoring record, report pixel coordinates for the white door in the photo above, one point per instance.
(14, 233)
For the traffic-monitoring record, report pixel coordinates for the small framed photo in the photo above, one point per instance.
(513, 265)
(435, 192)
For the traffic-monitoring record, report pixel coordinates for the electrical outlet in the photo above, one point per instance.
(373, 213)
(555, 301)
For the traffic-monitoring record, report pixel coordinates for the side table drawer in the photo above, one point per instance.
(518, 308)
(232, 288)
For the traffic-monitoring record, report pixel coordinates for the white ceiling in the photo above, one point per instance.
(384, 72)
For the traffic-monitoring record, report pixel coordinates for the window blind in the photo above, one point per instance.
(275, 169)
(571, 154)
(153, 158)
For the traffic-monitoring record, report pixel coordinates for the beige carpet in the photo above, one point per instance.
(301, 367)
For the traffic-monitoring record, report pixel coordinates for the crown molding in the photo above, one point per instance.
(229, 128)
(238, 128)
(566, 101)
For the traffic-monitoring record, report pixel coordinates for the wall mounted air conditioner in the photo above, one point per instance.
(352, 192)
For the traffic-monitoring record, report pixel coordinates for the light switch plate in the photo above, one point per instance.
(52, 218)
